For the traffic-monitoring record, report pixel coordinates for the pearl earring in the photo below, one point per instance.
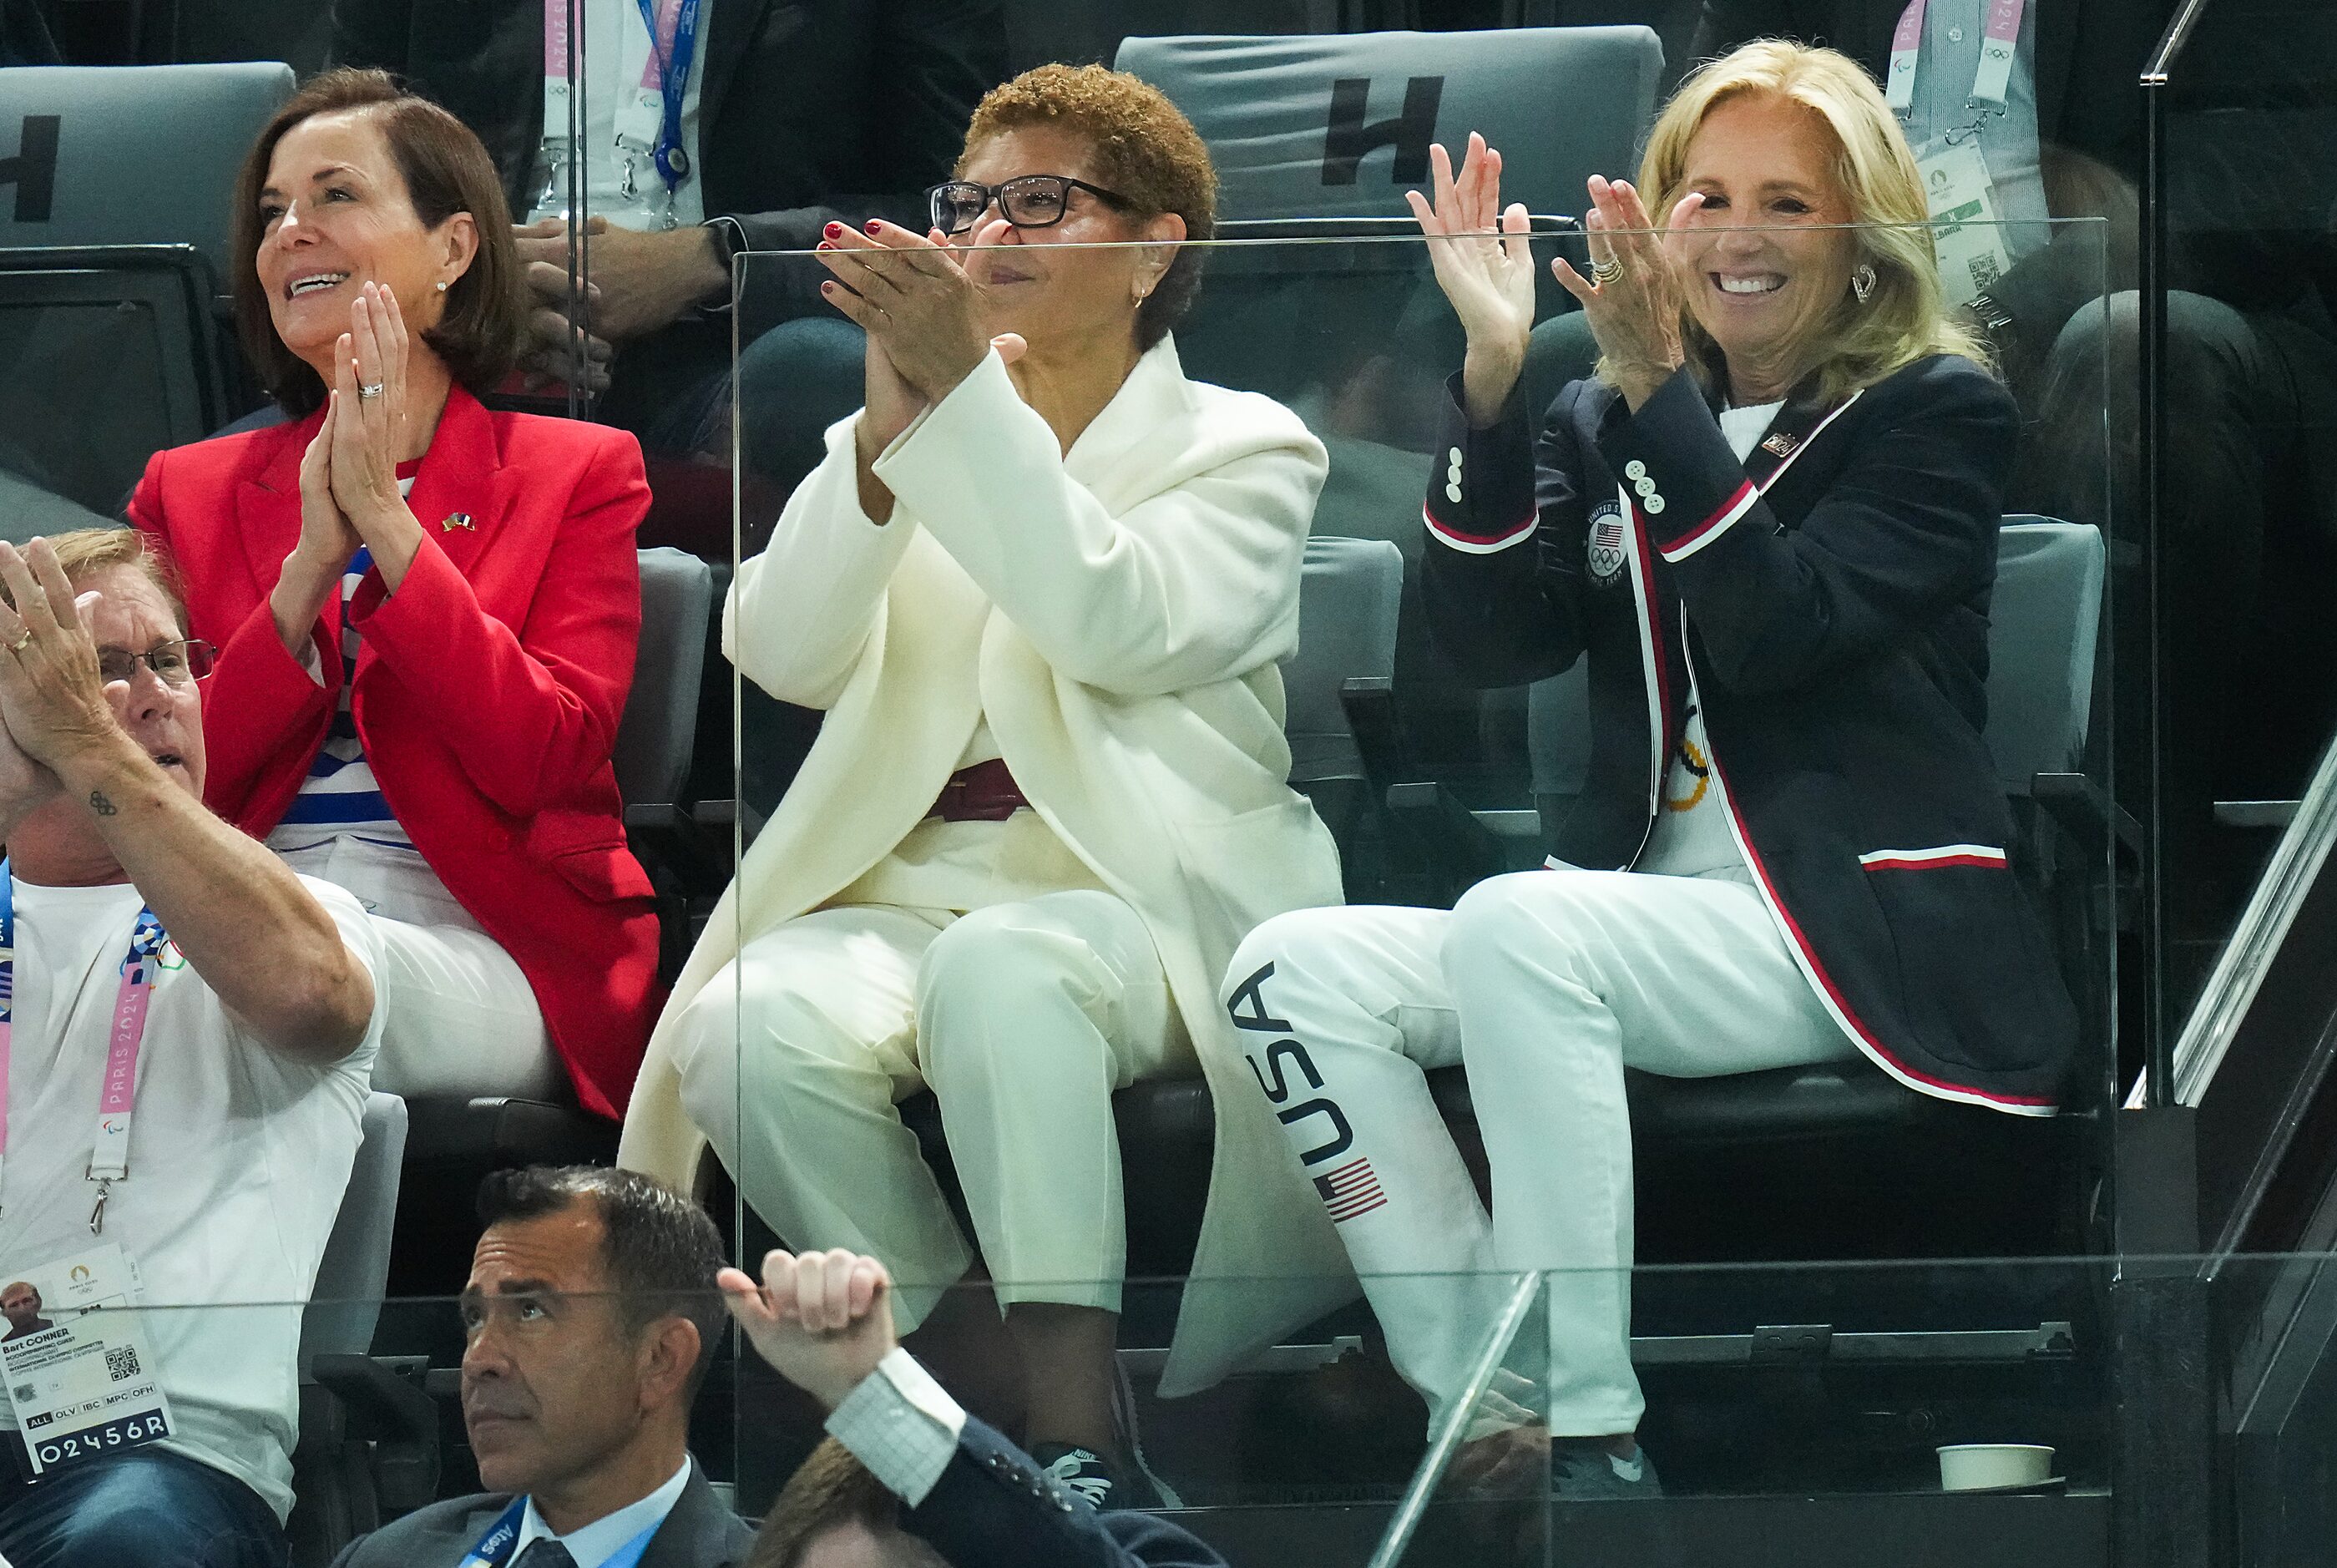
(442, 286)
(1862, 282)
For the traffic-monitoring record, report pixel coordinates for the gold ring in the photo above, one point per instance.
(24, 640)
(1605, 272)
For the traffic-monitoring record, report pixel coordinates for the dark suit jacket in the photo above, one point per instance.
(2090, 59)
(996, 1507)
(809, 112)
(698, 1534)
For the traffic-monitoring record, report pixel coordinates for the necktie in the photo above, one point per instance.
(545, 1554)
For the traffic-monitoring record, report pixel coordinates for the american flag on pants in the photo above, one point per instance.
(1350, 1190)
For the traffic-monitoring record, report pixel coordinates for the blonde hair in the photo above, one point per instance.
(83, 553)
(1904, 318)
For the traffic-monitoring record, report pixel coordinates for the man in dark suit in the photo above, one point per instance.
(588, 1313)
(907, 1479)
(801, 112)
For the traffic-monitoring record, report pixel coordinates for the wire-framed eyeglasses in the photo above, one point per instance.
(176, 664)
(1027, 200)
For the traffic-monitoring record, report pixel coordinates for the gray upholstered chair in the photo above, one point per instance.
(132, 154)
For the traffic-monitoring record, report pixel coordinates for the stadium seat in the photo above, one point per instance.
(2043, 626)
(367, 1431)
(1339, 126)
(132, 154)
(454, 1142)
(1348, 599)
(114, 355)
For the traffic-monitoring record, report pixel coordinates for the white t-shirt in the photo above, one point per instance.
(238, 1161)
(1691, 837)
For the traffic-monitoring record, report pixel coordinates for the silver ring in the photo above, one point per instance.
(375, 390)
(1605, 272)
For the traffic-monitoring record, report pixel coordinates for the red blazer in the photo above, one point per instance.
(487, 689)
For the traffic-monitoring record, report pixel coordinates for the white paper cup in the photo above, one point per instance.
(1985, 1467)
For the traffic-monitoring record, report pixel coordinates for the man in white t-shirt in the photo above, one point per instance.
(164, 970)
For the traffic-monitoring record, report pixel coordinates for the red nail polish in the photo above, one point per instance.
(824, 244)
(874, 224)
(834, 230)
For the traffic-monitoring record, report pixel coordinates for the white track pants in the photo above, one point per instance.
(1545, 985)
(1023, 1017)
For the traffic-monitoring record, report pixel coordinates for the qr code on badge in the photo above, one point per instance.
(122, 1364)
(1985, 272)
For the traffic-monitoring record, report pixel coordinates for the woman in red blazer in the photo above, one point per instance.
(425, 613)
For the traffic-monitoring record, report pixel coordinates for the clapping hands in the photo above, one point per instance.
(1484, 263)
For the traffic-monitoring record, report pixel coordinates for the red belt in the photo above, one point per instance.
(985, 792)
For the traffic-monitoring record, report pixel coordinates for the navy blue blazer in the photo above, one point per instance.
(997, 1507)
(1830, 600)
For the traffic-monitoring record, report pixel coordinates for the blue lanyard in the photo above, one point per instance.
(673, 77)
(496, 1545)
(502, 1536)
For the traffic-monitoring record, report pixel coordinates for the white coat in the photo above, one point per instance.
(1117, 615)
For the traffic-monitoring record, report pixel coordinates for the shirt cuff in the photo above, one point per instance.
(312, 662)
(902, 1425)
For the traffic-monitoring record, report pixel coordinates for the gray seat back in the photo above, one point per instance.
(2043, 623)
(1348, 597)
(112, 357)
(131, 154)
(653, 741)
(345, 1302)
(2044, 620)
(1340, 125)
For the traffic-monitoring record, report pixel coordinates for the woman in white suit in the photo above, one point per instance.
(1040, 585)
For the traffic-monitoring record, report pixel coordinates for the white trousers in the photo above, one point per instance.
(1022, 1017)
(1545, 985)
(462, 1020)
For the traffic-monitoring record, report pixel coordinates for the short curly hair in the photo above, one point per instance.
(1144, 149)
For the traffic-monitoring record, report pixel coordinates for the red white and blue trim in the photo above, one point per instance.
(1935, 859)
(1480, 543)
(1752, 488)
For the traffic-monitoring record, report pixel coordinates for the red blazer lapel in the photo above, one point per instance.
(460, 496)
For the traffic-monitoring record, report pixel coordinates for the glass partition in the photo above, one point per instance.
(1925, 1412)
(2244, 361)
(819, 1093)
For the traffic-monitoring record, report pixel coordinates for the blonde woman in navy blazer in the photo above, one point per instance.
(1769, 525)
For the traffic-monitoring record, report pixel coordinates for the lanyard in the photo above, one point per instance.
(1991, 80)
(502, 1538)
(109, 1155)
(672, 26)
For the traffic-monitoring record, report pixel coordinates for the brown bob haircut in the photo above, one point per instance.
(1144, 149)
(446, 171)
(830, 1490)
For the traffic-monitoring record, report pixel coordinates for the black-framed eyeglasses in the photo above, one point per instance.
(189, 659)
(1027, 200)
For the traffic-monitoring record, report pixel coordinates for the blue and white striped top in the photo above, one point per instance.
(341, 796)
